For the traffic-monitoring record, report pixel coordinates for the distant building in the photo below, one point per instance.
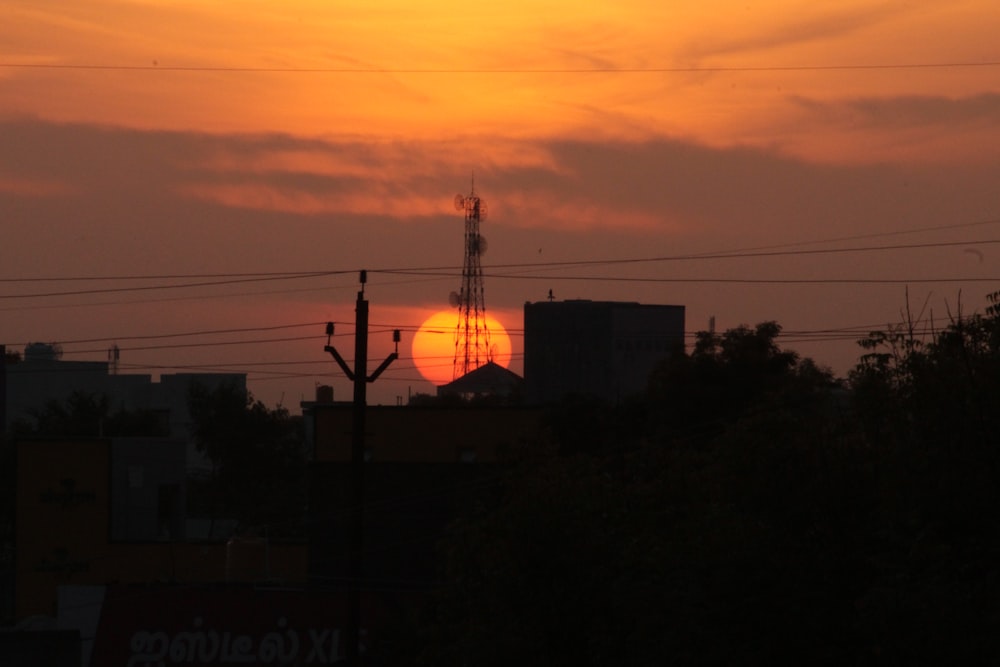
(95, 510)
(96, 516)
(43, 376)
(101, 547)
(605, 349)
(490, 379)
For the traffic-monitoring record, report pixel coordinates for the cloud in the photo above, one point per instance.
(893, 113)
(816, 26)
(25, 187)
(904, 129)
(194, 197)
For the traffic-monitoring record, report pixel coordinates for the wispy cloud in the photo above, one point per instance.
(803, 25)
(27, 187)
(893, 113)
(662, 187)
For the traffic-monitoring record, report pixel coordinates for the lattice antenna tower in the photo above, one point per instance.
(472, 336)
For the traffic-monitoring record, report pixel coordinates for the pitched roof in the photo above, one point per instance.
(490, 378)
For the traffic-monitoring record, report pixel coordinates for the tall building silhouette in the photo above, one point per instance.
(605, 349)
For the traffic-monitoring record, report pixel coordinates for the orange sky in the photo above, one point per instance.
(561, 67)
(163, 138)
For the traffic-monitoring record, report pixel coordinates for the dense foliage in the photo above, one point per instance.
(85, 414)
(748, 510)
(258, 462)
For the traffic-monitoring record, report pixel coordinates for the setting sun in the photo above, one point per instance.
(433, 347)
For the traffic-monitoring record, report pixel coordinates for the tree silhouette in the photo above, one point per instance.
(86, 414)
(770, 515)
(258, 461)
(725, 376)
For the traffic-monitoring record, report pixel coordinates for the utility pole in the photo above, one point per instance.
(361, 379)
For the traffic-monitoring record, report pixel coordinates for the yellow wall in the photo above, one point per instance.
(63, 510)
(425, 434)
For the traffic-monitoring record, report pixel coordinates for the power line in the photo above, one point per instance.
(279, 275)
(257, 369)
(852, 333)
(736, 254)
(512, 332)
(176, 346)
(200, 297)
(143, 288)
(115, 339)
(156, 67)
(227, 279)
(185, 334)
(203, 332)
(714, 254)
(872, 235)
(743, 281)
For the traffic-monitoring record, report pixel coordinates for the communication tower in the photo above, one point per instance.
(472, 336)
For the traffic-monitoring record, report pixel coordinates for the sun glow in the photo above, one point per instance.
(433, 346)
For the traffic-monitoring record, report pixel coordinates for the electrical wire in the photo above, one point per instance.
(756, 251)
(737, 254)
(845, 332)
(172, 276)
(805, 337)
(143, 288)
(750, 281)
(450, 271)
(201, 332)
(156, 67)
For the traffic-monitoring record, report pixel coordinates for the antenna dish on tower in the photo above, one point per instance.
(454, 300)
(474, 207)
(478, 244)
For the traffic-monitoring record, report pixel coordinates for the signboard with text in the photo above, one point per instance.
(200, 625)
